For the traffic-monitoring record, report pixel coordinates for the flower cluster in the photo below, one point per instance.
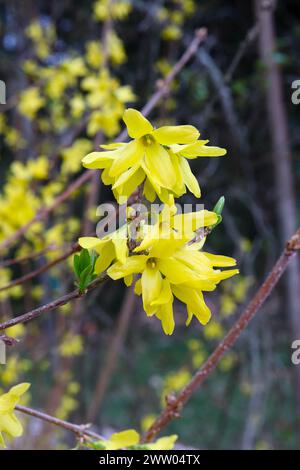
(158, 158)
(164, 258)
(167, 263)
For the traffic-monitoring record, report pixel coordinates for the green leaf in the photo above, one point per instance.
(84, 259)
(76, 265)
(84, 266)
(219, 206)
(85, 278)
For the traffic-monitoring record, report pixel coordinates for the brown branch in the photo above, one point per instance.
(175, 404)
(79, 429)
(37, 312)
(8, 341)
(75, 247)
(164, 85)
(23, 259)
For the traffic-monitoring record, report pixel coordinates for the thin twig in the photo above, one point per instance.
(37, 312)
(175, 404)
(23, 259)
(8, 341)
(79, 429)
(75, 247)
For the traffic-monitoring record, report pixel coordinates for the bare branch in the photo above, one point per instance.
(81, 430)
(37, 312)
(75, 247)
(8, 341)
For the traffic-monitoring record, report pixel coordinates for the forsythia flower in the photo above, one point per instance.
(169, 261)
(157, 157)
(9, 424)
(111, 247)
(169, 267)
(131, 439)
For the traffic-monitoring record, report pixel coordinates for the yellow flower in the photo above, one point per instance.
(30, 102)
(164, 443)
(9, 423)
(120, 440)
(94, 54)
(131, 439)
(171, 33)
(71, 346)
(157, 157)
(111, 247)
(169, 267)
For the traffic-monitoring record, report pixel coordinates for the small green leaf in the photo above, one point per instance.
(76, 265)
(97, 445)
(85, 278)
(84, 259)
(219, 206)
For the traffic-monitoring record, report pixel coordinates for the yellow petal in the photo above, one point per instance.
(199, 149)
(134, 264)
(222, 275)
(128, 280)
(151, 286)
(89, 243)
(126, 157)
(19, 389)
(113, 145)
(220, 260)
(165, 294)
(137, 125)
(167, 245)
(10, 425)
(166, 316)
(189, 179)
(164, 443)
(2, 442)
(159, 166)
(138, 287)
(194, 300)
(99, 160)
(9, 400)
(151, 236)
(169, 135)
(191, 221)
(106, 178)
(133, 180)
(179, 187)
(121, 440)
(119, 240)
(149, 191)
(106, 256)
(175, 271)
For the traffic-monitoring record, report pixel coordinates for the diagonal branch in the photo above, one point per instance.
(79, 429)
(37, 312)
(175, 404)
